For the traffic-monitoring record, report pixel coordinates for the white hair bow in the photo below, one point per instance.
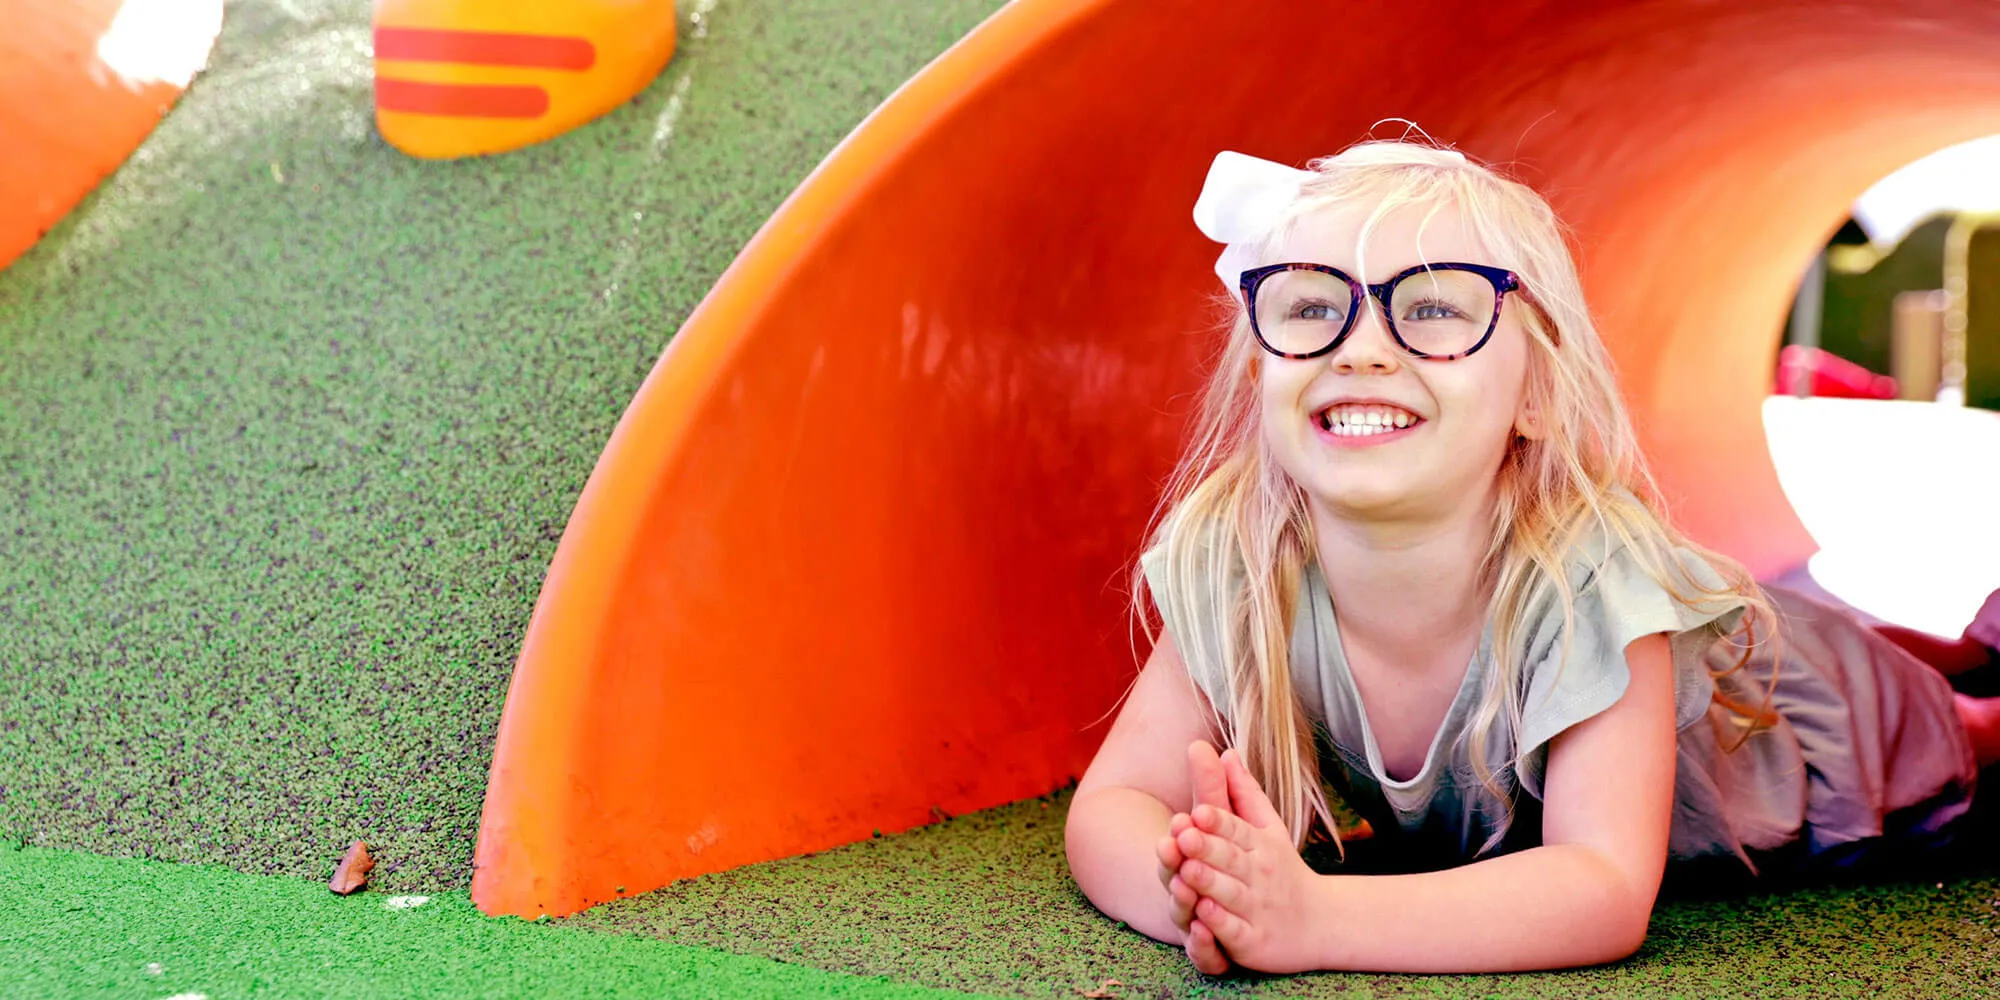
(1242, 202)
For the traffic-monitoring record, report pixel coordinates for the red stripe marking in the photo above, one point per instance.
(484, 48)
(461, 100)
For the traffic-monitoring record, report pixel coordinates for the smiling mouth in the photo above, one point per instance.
(1349, 420)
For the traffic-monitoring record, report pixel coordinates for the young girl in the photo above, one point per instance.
(1413, 556)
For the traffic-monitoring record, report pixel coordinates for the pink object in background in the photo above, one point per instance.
(1830, 375)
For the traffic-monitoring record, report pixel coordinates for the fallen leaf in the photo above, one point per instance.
(352, 875)
(1103, 990)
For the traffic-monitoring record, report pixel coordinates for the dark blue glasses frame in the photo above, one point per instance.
(1503, 280)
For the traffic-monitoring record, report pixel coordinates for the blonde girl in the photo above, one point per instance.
(1412, 558)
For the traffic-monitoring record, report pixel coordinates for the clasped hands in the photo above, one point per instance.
(1236, 884)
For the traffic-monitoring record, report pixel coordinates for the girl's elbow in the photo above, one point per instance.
(1075, 836)
(1080, 823)
(1615, 925)
(1084, 842)
(1624, 910)
(1604, 942)
(1628, 944)
(1624, 932)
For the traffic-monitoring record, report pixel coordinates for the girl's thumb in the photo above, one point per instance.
(1246, 796)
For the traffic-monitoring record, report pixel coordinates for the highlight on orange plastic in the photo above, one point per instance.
(82, 82)
(461, 78)
(858, 550)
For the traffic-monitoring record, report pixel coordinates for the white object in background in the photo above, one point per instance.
(1903, 499)
(160, 40)
(1961, 178)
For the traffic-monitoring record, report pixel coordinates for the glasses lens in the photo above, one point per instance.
(1442, 312)
(1299, 312)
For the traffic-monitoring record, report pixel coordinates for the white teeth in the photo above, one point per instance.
(1353, 421)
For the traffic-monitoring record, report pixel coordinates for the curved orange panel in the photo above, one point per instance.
(461, 78)
(81, 84)
(857, 549)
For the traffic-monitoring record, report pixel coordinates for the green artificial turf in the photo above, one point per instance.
(979, 903)
(290, 423)
(985, 903)
(80, 925)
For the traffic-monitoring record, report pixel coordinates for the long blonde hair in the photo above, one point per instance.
(1233, 528)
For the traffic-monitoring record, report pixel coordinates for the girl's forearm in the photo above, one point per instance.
(1548, 907)
(1111, 838)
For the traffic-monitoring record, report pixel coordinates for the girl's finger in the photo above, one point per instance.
(1246, 796)
(1177, 823)
(1217, 850)
(1184, 901)
(1216, 884)
(1224, 824)
(1169, 852)
(1205, 952)
(1227, 929)
(1205, 772)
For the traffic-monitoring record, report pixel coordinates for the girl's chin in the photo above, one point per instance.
(1362, 501)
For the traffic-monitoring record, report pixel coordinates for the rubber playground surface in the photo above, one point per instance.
(290, 424)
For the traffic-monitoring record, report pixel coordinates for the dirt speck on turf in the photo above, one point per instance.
(351, 875)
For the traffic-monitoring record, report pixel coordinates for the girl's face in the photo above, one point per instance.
(1461, 414)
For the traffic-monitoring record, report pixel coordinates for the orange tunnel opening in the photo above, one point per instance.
(859, 547)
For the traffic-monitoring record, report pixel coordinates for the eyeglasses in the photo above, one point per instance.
(1441, 311)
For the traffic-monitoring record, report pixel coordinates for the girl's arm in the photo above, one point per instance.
(1582, 898)
(1137, 781)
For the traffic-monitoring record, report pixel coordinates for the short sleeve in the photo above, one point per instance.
(1616, 603)
(1192, 618)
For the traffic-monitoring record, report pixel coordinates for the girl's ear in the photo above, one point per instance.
(1531, 418)
(1528, 420)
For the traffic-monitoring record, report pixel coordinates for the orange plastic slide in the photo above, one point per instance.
(858, 551)
(82, 82)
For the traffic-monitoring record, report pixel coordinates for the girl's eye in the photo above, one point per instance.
(1318, 312)
(1432, 310)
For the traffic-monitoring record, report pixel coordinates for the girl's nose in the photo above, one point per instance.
(1369, 347)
